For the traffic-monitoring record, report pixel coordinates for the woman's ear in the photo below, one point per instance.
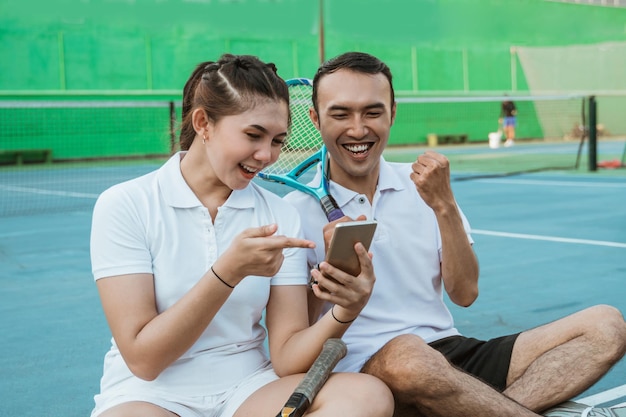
(200, 123)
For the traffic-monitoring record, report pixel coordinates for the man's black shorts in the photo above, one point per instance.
(486, 360)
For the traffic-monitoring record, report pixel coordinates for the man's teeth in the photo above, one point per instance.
(357, 148)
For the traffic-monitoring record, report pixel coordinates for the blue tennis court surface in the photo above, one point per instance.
(548, 245)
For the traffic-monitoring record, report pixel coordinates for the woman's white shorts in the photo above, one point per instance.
(219, 405)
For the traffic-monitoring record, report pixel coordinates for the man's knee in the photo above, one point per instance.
(609, 328)
(407, 364)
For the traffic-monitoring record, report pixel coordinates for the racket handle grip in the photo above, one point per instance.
(332, 352)
(331, 208)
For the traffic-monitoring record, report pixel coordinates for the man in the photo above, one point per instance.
(405, 335)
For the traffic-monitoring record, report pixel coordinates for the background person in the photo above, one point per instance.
(508, 119)
(186, 259)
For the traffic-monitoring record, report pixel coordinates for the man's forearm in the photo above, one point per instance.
(459, 266)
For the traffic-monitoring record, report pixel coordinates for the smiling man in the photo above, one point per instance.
(406, 335)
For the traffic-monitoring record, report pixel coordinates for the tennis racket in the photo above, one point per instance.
(302, 397)
(303, 150)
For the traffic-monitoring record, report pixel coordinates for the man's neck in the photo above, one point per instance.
(363, 184)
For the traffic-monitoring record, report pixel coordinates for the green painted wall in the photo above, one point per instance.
(86, 49)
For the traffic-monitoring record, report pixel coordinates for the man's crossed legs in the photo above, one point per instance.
(549, 365)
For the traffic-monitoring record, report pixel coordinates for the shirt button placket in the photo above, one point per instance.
(209, 237)
(212, 243)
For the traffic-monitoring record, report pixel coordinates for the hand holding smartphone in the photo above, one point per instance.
(341, 252)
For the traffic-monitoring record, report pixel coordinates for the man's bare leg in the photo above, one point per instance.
(557, 361)
(426, 384)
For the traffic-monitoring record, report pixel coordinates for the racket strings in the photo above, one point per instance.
(303, 139)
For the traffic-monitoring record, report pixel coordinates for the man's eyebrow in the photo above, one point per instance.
(338, 107)
(378, 105)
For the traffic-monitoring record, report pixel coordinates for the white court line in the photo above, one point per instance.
(549, 238)
(605, 396)
(556, 183)
(48, 192)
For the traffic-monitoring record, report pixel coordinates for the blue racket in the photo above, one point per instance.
(304, 150)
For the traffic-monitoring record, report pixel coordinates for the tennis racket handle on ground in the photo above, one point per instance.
(330, 207)
(302, 397)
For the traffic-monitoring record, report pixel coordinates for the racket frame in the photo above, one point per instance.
(292, 178)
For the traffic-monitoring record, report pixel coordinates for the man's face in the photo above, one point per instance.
(355, 115)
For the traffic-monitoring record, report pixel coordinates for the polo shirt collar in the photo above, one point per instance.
(388, 179)
(177, 192)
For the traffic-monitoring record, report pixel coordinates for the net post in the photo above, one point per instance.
(172, 128)
(321, 39)
(593, 134)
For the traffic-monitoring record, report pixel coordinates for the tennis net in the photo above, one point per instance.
(551, 132)
(59, 155)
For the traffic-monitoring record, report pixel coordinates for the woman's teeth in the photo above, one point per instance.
(248, 169)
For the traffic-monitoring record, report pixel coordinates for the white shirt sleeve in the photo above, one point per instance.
(118, 243)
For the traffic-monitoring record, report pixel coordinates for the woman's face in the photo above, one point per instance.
(241, 145)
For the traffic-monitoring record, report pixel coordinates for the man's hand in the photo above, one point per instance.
(329, 228)
(431, 176)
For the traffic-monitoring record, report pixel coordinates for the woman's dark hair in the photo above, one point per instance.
(229, 86)
(353, 61)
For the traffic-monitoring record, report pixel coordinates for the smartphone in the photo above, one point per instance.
(341, 252)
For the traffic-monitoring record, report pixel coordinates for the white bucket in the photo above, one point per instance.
(494, 139)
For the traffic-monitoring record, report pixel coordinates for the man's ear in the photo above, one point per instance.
(393, 112)
(200, 122)
(314, 118)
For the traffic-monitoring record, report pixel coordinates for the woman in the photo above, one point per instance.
(508, 119)
(188, 257)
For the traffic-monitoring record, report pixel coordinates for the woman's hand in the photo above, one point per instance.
(256, 251)
(350, 293)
